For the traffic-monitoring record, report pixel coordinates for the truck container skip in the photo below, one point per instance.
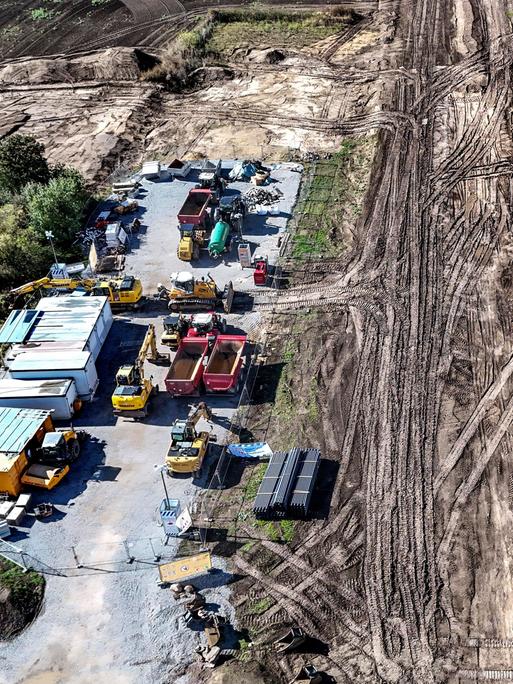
(186, 371)
(79, 366)
(59, 396)
(194, 209)
(224, 367)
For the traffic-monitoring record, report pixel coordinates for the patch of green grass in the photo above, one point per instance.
(288, 530)
(25, 587)
(42, 14)
(247, 546)
(190, 39)
(263, 27)
(259, 607)
(269, 529)
(10, 32)
(334, 194)
(254, 482)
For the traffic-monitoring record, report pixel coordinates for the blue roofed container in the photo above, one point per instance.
(20, 431)
(83, 323)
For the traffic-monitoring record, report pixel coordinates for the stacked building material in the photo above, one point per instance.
(288, 484)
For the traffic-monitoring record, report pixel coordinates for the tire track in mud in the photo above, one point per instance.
(431, 258)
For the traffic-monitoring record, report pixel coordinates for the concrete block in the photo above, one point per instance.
(24, 501)
(5, 508)
(16, 516)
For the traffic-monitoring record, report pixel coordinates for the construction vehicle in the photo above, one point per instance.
(188, 292)
(219, 240)
(176, 327)
(133, 391)
(188, 448)
(210, 178)
(186, 372)
(192, 239)
(194, 223)
(223, 371)
(52, 460)
(209, 324)
(122, 292)
(232, 210)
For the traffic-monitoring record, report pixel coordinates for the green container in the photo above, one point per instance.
(218, 238)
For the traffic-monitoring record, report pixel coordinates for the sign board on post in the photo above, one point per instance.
(185, 567)
(244, 251)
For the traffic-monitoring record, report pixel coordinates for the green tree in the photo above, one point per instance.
(22, 161)
(22, 256)
(57, 207)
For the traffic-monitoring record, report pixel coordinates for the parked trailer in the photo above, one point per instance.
(59, 396)
(186, 371)
(225, 364)
(79, 366)
(194, 209)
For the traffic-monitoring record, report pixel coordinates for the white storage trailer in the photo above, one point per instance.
(59, 396)
(79, 366)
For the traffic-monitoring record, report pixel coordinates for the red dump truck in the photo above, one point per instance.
(224, 366)
(194, 209)
(186, 371)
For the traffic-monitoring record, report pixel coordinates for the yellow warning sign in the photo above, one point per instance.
(185, 567)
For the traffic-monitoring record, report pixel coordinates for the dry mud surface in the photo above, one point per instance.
(409, 578)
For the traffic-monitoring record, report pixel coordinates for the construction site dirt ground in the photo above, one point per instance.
(400, 354)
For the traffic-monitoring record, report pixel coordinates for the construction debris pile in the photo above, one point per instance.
(261, 197)
(195, 611)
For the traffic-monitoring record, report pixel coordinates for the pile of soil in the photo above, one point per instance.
(21, 595)
(114, 64)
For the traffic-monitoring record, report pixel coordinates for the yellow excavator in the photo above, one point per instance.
(52, 460)
(188, 448)
(133, 391)
(188, 292)
(125, 292)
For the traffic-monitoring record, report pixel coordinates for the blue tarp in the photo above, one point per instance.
(253, 450)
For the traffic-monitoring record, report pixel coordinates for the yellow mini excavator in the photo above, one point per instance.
(123, 292)
(133, 391)
(187, 292)
(188, 448)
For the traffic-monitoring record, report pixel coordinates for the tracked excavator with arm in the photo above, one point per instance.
(133, 390)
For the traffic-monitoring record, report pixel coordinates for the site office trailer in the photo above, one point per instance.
(79, 366)
(88, 319)
(58, 396)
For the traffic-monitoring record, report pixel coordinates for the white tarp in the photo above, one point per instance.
(253, 450)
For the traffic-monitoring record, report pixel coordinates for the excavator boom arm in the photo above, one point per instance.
(50, 283)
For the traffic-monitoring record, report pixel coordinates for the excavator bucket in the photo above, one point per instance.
(308, 673)
(291, 640)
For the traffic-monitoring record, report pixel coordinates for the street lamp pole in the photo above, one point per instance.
(165, 488)
(49, 236)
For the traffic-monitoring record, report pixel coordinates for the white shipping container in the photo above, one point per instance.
(74, 318)
(58, 396)
(79, 366)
